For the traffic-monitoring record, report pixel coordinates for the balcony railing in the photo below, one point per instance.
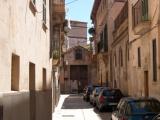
(140, 12)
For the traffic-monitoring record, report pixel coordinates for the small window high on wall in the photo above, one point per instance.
(78, 54)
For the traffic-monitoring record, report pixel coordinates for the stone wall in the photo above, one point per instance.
(23, 35)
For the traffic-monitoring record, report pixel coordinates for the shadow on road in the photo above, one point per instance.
(105, 115)
(75, 102)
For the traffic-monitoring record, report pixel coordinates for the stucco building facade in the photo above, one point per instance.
(144, 47)
(78, 71)
(103, 15)
(25, 64)
(77, 66)
(133, 45)
(119, 51)
(77, 35)
(57, 20)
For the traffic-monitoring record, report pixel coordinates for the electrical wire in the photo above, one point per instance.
(71, 2)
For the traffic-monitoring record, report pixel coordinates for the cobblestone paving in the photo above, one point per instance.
(72, 107)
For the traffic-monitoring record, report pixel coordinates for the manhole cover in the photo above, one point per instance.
(67, 115)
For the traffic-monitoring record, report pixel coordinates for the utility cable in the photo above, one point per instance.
(71, 2)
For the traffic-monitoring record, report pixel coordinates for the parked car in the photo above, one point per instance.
(95, 94)
(108, 98)
(130, 108)
(87, 91)
(157, 117)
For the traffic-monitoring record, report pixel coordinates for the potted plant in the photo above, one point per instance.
(55, 56)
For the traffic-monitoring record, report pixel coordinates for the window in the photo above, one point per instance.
(106, 38)
(44, 11)
(154, 60)
(15, 69)
(115, 60)
(140, 12)
(139, 57)
(78, 54)
(103, 44)
(44, 79)
(120, 57)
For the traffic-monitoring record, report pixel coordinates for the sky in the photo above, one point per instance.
(79, 10)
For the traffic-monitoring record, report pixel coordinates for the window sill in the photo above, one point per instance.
(32, 7)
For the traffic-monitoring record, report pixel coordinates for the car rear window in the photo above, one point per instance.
(111, 92)
(145, 106)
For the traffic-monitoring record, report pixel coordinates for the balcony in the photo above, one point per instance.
(141, 22)
(121, 22)
(59, 8)
(123, 15)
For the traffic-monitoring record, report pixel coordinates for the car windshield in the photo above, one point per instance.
(143, 106)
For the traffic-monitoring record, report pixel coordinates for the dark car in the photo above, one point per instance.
(130, 108)
(108, 98)
(157, 117)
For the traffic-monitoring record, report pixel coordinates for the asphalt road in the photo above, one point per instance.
(73, 107)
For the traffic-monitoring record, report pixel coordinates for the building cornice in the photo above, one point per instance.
(94, 9)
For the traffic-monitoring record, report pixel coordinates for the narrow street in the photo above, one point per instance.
(72, 107)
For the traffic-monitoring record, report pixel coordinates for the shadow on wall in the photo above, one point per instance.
(75, 102)
(16, 106)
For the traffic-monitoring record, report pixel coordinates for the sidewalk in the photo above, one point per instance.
(72, 107)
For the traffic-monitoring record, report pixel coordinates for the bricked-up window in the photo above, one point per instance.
(15, 72)
(139, 57)
(140, 12)
(154, 60)
(44, 11)
(78, 54)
